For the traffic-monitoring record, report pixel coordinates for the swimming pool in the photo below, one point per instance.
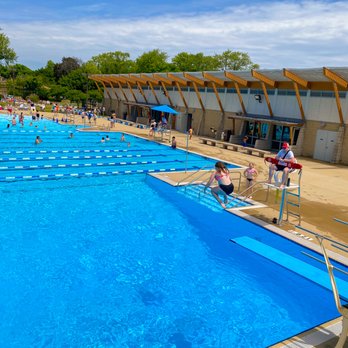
(84, 154)
(129, 261)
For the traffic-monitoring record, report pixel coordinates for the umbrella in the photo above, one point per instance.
(165, 108)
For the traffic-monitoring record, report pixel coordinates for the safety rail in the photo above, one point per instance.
(203, 174)
(341, 309)
(190, 175)
(245, 197)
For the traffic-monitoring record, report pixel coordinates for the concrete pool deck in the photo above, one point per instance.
(324, 192)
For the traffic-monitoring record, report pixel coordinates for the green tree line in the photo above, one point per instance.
(68, 79)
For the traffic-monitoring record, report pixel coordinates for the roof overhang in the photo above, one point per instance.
(291, 122)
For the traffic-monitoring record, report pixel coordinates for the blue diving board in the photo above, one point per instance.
(293, 264)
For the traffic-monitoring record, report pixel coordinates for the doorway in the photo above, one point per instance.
(325, 145)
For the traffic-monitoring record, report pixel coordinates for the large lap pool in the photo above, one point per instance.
(128, 261)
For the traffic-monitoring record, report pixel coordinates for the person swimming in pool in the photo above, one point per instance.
(38, 140)
(225, 186)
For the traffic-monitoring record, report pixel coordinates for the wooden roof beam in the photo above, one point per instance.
(150, 79)
(335, 78)
(195, 79)
(218, 98)
(299, 101)
(240, 97)
(295, 78)
(263, 78)
(153, 92)
(336, 81)
(237, 79)
(338, 103)
(181, 94)
(106, 89)
(166, 93)
(120, 87)
(138, 79)
(263, 85)
(177, 79)
(163, 79)
(198, 96)
(99, 89)
(214, 79)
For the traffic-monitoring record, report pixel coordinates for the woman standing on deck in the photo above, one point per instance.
(225, 186)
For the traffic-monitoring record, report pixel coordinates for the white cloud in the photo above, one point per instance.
(276, 35)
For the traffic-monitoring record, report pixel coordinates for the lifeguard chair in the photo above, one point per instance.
(290, 194)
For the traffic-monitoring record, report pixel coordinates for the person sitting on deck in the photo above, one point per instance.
(225, 186)
(244, 141)
(284, 156)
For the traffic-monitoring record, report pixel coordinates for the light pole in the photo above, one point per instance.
(87, 93)
(187, 142)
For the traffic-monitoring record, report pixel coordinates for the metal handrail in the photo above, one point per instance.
(190, 175)
(341, 221)
(206, 172)
(341, 309)
(323, 237)
(237, 197)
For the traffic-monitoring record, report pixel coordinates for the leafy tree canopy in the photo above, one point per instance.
(67, 65)
(113, 63)
(194, 62)
(7, 54)
(152, 61)
(235, 60)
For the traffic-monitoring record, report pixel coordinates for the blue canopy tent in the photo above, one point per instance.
(165, 108)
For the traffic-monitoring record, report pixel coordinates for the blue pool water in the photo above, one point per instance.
(84, 154)
(128, 261)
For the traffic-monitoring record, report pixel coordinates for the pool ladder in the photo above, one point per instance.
(197, 180)
(343, 310)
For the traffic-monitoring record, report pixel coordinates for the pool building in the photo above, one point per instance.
(306, 107)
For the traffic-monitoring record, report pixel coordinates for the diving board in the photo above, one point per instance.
(293, 264)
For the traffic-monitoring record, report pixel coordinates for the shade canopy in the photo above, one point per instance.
(165, 108)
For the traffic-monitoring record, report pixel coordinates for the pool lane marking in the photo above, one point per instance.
(71, 151)
(72, 157)
(80, 165)
(44, 176)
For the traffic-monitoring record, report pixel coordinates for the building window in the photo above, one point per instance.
(256, 130)
(284, 133)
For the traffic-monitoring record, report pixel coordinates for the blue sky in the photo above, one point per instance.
(276, 34)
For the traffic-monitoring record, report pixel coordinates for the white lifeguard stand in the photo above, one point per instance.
(290, 197)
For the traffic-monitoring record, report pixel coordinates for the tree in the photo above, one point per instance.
(48, 71)
(230, 60)
(113, 63)
(194, 62)
(152, 61)
(76, 79)
(67, 65)
(7, 54)
(76, 96)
